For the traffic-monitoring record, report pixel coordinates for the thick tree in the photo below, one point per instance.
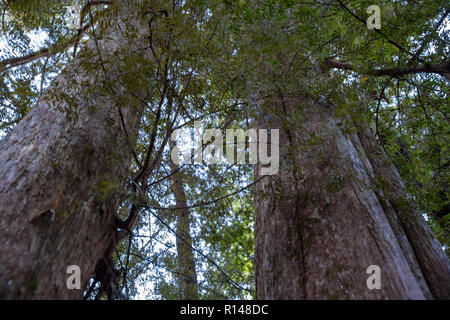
(363, 125)
(64, 166)
(338, 204)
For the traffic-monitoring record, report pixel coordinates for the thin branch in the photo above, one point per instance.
(55, 48)
(236, 285)
(42, 53)
(425, 40)
(377, 131)
(126, 266)
(442, 69)
(395, 44)
(203, 203)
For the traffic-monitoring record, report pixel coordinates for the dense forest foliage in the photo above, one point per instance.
(210, 61)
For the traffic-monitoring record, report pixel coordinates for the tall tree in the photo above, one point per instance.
(336, 207)
(187, 275)
(64, 165)
(363, 127)
(338, 204)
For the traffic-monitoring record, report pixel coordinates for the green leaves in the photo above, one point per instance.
(34, 14)
(209, 57)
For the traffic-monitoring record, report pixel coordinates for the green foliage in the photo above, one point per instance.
(34, 14)
(212, 56)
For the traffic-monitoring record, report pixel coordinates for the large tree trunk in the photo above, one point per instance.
(336, 207)
(187, 275)
(60, 175)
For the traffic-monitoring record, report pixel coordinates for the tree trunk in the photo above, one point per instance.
(187, 275)
(60, 175)
(336, 207)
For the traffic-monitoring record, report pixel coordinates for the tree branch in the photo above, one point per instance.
(395, 44)
(442, 69)
(55, 48)
(42, 53)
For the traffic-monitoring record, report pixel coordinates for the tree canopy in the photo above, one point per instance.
(210, 59)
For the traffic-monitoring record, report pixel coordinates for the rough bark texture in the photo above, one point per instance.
(187, 275)
(59, 176)
(432, 260)
(325, 217)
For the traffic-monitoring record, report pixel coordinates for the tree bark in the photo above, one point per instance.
(61, 173)
(187, 275)
(336, 207)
